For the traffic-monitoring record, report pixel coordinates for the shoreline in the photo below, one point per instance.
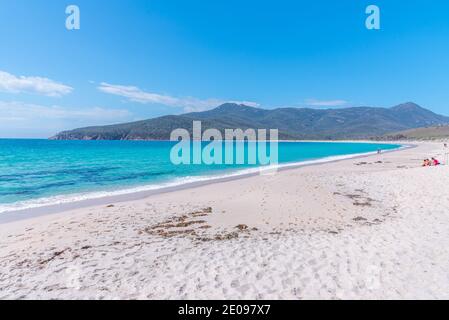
(349, 229)
(126, 195)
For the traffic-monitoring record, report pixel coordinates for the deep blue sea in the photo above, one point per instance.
(41, 172)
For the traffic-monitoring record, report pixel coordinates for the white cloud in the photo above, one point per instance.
(36, 85)
(246, 103)
(19, 110)
(18, 119)
(189, 104)
(326, 103)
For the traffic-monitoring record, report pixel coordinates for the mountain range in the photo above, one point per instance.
(292, 123)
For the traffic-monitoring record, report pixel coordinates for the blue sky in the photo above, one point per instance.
(140, 59)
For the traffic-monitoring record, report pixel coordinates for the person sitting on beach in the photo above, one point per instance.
(435, 162)
(426, 163)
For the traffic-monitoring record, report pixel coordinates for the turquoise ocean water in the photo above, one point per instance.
(41, 172)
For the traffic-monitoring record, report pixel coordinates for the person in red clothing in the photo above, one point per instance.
(435, 162)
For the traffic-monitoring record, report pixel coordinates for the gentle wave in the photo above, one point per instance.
(62, 199)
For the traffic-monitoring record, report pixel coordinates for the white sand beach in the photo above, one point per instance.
(367, 228)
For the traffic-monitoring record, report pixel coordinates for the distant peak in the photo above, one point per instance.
(408, 106)
(233, 106)
(228, 105)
